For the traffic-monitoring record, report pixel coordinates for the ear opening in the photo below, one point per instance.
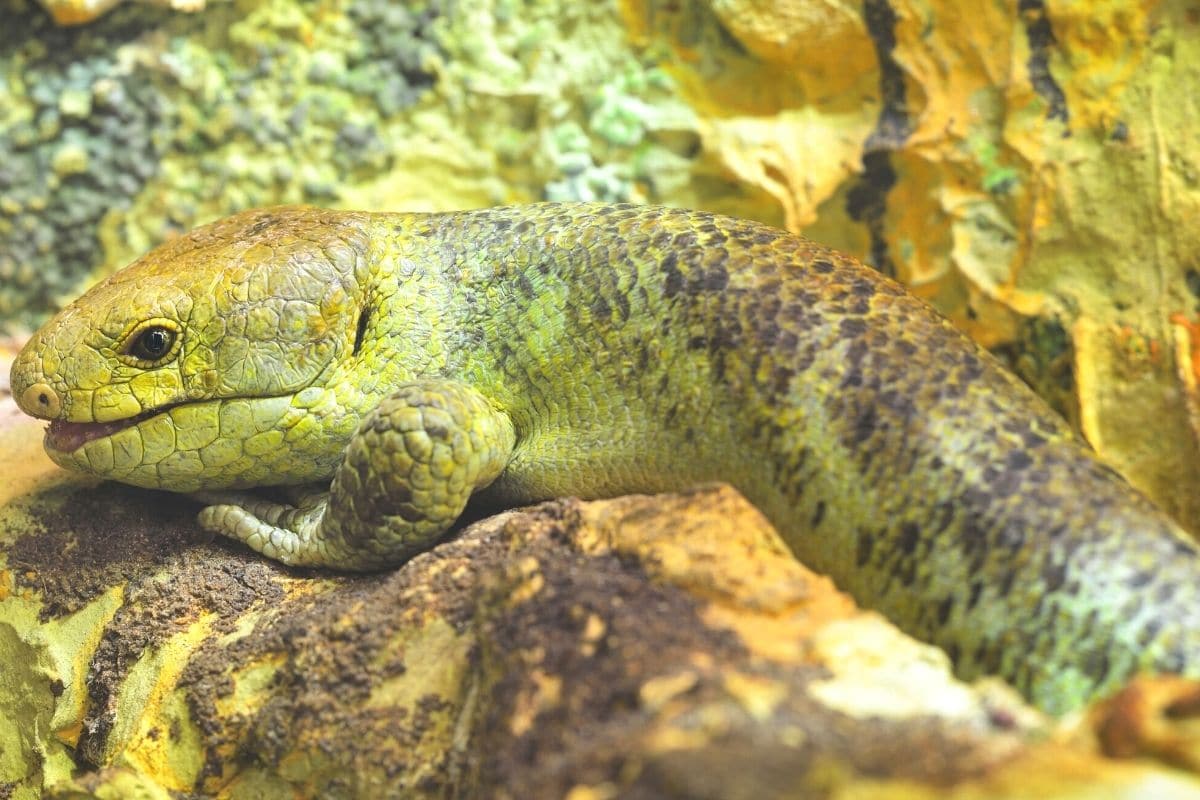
(364, 317)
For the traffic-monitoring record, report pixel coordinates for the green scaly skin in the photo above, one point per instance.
(538, 351)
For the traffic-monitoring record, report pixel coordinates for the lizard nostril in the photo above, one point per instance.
(41, 400)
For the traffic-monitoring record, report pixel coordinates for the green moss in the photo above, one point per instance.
(70, 159)
(153, 119)
(998, 178)
(148, 121)
(1043, 355)
(72, 154)
(626, 149)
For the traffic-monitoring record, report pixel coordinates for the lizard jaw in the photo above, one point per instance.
(66, 437)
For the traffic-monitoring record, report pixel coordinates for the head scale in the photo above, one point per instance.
(217, 329)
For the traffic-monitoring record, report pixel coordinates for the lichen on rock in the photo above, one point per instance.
(133, 128)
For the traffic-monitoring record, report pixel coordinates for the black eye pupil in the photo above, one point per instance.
(154, 343)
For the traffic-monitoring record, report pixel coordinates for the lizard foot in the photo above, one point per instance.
(405, 477)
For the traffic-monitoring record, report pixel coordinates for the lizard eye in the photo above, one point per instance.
(153, 343)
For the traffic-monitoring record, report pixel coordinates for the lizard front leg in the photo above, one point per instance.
(404, 479)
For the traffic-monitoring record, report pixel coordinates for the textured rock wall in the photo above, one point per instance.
(1028, 167)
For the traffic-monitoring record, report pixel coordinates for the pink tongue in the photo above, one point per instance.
(67, 436)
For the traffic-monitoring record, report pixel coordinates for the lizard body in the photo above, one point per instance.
(587, 349)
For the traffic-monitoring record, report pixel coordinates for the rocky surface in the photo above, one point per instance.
(79, 12)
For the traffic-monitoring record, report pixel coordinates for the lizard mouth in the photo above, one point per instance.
(65, 437)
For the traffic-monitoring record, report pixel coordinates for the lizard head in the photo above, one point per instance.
(186, 369)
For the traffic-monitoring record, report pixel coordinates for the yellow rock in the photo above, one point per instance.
(78, 12)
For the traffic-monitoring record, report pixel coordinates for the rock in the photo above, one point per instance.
(78, 12)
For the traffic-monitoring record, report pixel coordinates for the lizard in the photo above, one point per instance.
(391, 366)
